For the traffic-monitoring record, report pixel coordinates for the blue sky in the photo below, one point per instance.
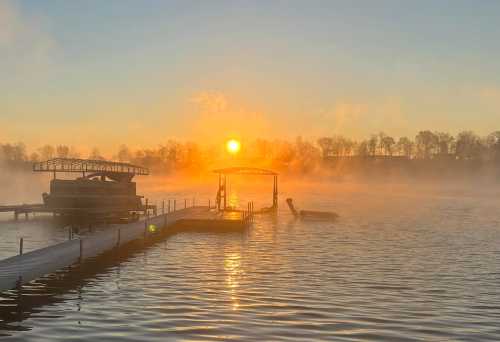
(143, 71)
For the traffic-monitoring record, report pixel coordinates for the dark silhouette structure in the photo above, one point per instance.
(105, 188)
(221, 198)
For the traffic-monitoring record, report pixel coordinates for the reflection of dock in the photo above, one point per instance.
(26, 267)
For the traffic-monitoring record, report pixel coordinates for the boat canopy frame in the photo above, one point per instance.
(221, 198)
(113, 170)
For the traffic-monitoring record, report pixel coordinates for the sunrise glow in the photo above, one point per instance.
(233, 146)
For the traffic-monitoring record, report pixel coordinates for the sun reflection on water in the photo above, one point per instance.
(232, 267)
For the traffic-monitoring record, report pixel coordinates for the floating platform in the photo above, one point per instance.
(24, 268)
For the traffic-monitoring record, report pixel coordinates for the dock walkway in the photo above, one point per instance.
(24, 268)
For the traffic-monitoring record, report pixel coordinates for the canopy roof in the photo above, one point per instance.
(245, 171)
(87, 165)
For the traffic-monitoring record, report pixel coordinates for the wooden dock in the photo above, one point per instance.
(23, 268)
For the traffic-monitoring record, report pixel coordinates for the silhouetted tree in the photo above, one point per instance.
(124, 154)
(372, 145)
(386, 144)
(445, 143)
(405, 147)
(46, 152)
(468, 146)
(326, 145)
(426, 143)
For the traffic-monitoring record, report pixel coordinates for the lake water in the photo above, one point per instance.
(400, 264)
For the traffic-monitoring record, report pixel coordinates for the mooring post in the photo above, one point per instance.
(209, 204)
(80, 259)
(21, 243)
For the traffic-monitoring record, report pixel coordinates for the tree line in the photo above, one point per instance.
(299, 155)
(465, 145)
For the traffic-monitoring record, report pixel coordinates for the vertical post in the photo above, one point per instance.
(185, 203)
(26, 216)
(70, 233)
(168, 207)
(146, 213)
(219, 193)
(21, 243)
(225, 194)
(81, 250)
(175, 204)
(209, 204)
(119, 237)
(163, 207)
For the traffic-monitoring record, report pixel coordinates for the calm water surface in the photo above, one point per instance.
(394, 267)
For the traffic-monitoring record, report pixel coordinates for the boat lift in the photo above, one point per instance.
(221, 198)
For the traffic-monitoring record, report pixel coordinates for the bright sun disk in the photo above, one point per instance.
(233, 146)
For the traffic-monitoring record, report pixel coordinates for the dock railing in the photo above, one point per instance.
(29, 265)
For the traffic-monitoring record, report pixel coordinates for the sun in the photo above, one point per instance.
(233, 146)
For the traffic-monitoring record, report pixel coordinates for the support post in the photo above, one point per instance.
(168, 207)
(225, 194)
(21, 245)
(175, 204)
(146, 213)
(163, 207)
(81, 250)
(185, 203)
(209, 204)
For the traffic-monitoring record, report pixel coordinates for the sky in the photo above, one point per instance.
(106, 73)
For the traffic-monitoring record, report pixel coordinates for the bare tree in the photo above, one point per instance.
(46, 152)
(468, 146)
(445, 143)
(405, 147)
(386, 144)
(372, 145)
(326, 146)
(426, 143)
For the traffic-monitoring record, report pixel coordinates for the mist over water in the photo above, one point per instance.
(412, 261)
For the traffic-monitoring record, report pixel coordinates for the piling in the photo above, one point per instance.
(81, 250)
(21, 243)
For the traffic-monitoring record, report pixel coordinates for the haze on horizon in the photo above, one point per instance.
(102, 74)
